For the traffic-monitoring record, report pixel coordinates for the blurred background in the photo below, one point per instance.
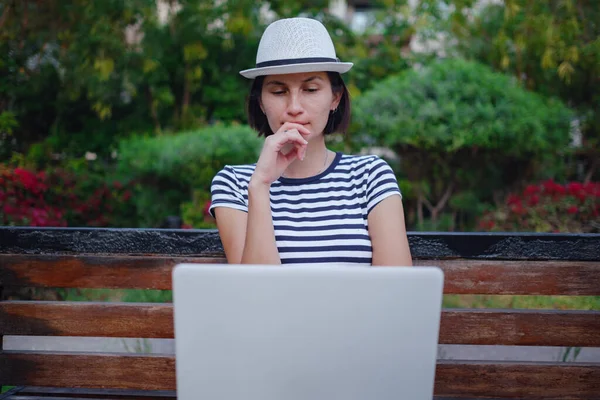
(118, 113)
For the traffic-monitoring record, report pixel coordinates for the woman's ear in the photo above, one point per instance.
(337, 97)
(261, 106)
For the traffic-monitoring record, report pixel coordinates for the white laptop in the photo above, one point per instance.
(306, 333)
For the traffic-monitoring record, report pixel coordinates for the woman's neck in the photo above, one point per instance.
(316, 160)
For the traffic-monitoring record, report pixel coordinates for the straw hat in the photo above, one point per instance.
(295, 45)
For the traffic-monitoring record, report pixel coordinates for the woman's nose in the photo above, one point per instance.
(294, 104)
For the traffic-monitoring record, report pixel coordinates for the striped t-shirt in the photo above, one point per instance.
(320, 219)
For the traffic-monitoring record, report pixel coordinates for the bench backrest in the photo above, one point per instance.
(496, 264)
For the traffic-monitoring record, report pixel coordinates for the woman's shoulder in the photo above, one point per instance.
(237, 170)
(235, 174)
(362, 162)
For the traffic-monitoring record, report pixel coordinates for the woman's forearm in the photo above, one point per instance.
(259, 246)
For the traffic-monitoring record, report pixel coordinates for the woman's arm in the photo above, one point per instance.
(249, 238)
(388, 233)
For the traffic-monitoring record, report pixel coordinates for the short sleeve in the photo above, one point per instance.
(381, 183)
(226, 192)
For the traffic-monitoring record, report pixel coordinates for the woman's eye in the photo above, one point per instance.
(312, 90)
(278, 92)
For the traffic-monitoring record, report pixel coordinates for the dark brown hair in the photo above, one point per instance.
(338, 120)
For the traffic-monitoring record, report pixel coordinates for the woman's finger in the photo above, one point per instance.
(299, 127)
(288, 137)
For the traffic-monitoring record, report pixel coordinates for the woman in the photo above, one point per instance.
(302, 203)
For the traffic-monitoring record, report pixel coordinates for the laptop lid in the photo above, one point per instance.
(300, 333)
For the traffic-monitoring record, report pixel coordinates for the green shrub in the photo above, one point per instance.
(195, 212)
(170, 168)
(461, 129)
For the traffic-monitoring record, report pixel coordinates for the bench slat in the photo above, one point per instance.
(472, 326)
(70, 393)
(453, 378)
(520, 327)
(117, 272)
(574, 278)
(522, 380)
(76, 397)
(95, 319)
(88, 370)
(502, 277)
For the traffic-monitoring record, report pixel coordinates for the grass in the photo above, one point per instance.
(126, 295)
(450, 301)
(524, 302)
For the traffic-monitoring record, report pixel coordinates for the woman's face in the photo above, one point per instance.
(304, 98)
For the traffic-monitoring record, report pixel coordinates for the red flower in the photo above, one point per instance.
(559, 190)
(27, 178)
(517, 209)
(207, 208)
(533, 200)
(531, 189)
(574, 188)
(550, 186)
(513, 199)
(581, 196)
(572, 210)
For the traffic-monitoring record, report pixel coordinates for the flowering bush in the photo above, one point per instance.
(59, 198)
(195, 213)
(548, 207)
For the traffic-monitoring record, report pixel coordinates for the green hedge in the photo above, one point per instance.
(172, 169)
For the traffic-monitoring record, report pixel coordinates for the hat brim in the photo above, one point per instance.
(340, 67)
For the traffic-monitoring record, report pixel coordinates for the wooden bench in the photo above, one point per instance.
(496, 264)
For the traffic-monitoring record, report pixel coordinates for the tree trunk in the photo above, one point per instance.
(420, 209)
(591, 171)
(185, 101)
(440, 205)
(4, 16)
(153, 111)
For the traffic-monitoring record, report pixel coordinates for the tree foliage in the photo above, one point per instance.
(458, 126)
(81, 75)
(551, 47)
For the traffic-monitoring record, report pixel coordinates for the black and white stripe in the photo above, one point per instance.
(321, 219)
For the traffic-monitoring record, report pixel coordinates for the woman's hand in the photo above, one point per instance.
(279, 151)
